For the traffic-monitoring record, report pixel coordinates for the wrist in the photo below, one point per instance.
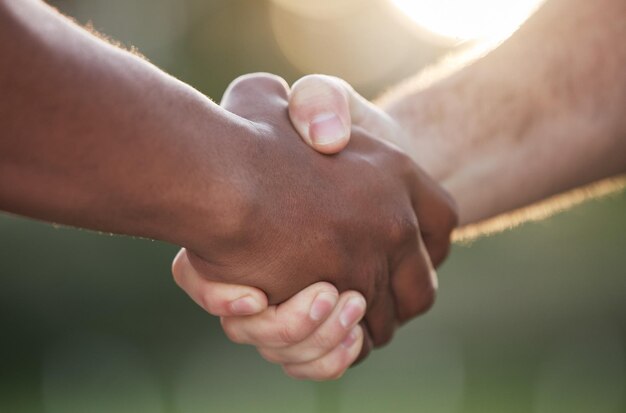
(463, 130)
(212, 199)
(434, 125)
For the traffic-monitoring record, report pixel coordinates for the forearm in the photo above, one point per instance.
(96, 137)
(541, 114)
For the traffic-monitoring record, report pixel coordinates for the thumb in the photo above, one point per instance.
(324, 108)
(319, 110)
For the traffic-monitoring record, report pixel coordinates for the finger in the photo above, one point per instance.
(366, 347)
(349, 311)
(216, 298)
(323, 109)
(249, 96)
(414, 283)
(288, 323)
(320, 111)
(437, 215)
(334, 364)
(381, 318)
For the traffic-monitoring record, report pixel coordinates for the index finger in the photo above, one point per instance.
(219, 299)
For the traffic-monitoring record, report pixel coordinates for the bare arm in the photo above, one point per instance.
(96, 137)
(543, 113)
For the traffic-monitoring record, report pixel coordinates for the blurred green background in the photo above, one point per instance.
(531, 320)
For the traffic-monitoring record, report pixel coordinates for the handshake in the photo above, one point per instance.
(312, 253)
(306, 223)
(315, 253)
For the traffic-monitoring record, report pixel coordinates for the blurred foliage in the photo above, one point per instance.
(531, 320)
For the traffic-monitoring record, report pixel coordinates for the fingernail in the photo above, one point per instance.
(322, 305)
(351, 337)
(352, 311)
(245, 305)
(326, 128)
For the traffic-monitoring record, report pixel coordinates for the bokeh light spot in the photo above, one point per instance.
(468, 20)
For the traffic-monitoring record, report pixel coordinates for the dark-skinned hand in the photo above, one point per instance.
(350, 219)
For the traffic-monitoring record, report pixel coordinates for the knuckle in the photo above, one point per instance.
(371, 291)
(211, 305)
(375, 276)
(319, 370)
(258, 81)
(452, 220)
(323, 341)
(421, 305)
(269, 356)
(294, 373)
(335, 376)
(317, 90)
(404, 229)
(439, 255)
(365, 352)
(440, 231)
(309, 354)
(292, 332)
(426, 300)
(446, 219)
(332, 368)
(312, 80)
(383, 338)
(325, 287)
(451, 211)
(231, 331)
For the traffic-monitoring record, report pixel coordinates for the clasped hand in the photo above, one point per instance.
(319, 257)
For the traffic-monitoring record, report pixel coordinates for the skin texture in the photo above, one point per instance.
(95, 137)
(307, 346)
(540, 115)
(312, 219)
